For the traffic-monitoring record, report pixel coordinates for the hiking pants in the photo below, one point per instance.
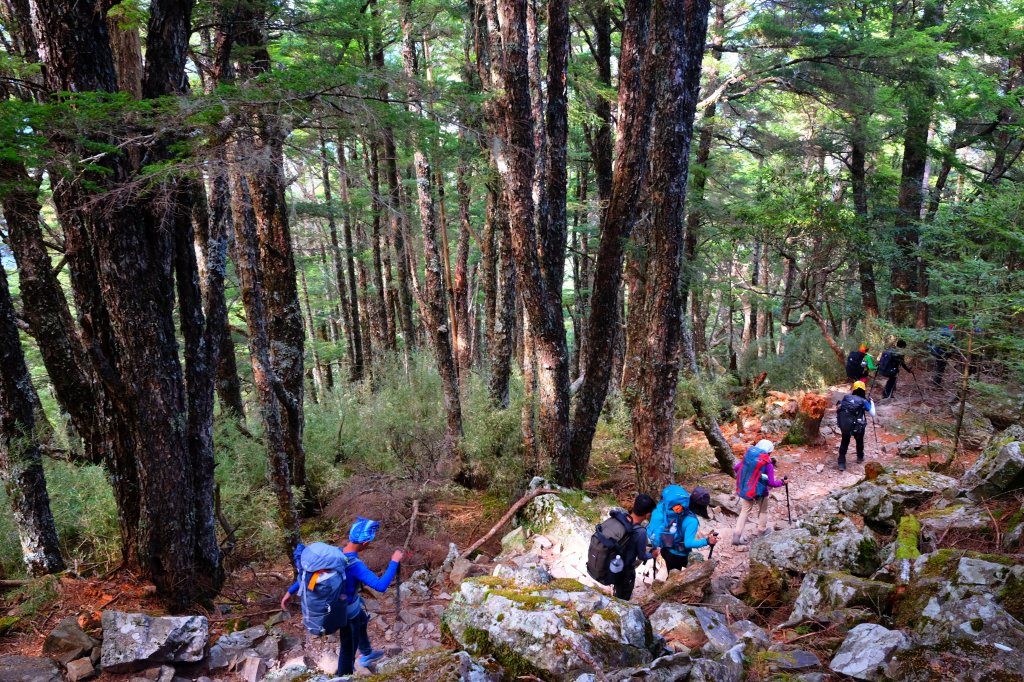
(347, 650)
(844, 445)
(890, 386)
(940, 369)
(624, 586)
(359, 624)
(745, 507)
(675, 562)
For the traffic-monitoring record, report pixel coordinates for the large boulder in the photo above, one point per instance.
(133, 641)
(823, 539)
(883, 501)
(998, 469)
(437, 665)
(68, 641)
(764, 585)
(867, 650)
(693, 627)
(688, 585)
(232, 649)
(28, 669)
(957, 515)
(555, 631)
(822, 593)
(670, 668)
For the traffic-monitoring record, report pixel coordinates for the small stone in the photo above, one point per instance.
(873, 470)
(866, 650)
(819, 468)
(68, 641)
(81, 669)
(253, 669)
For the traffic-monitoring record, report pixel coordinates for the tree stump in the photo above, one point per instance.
(806, 427)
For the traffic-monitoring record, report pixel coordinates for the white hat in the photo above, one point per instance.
(765, 445)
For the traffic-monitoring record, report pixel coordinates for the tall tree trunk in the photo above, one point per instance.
(340, 280)
(460, 286)
(920, 104)
(514, 149)
(502, 331)
(435, 309)
(858, 179)
(21, 467)
(682, 25)
(269, 389)
(353, 299)
(383, 324)
(636, 104)
(132, 244)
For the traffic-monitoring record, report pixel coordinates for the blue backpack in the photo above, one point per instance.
(749, 484)
(322, 588)
(660, 530)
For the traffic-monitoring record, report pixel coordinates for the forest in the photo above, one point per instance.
(252, 248)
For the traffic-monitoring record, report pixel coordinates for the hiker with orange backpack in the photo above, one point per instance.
(755, 474)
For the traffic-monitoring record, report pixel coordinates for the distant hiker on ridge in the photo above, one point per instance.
(889, 366)
(852, 419)
(755, 473)
(859, 364)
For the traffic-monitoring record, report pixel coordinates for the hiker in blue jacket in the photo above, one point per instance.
(362, 533)
(675, 530)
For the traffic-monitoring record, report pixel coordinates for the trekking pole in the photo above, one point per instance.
(398, 592)
(712, 550)
(789, 512)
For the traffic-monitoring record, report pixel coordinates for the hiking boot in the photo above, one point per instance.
(860, 460)
(739, 540)
(367, 659)
(842, 467)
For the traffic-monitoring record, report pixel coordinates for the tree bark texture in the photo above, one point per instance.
(515, 154)
(865, 263)
(636, 104)
(21, 466)
(128, 311)
(435, 307)
(681, 26)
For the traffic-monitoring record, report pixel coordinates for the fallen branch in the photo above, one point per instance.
(995, 526)
(13, 583)
(504, 519)
(811, 634)
(412, 524)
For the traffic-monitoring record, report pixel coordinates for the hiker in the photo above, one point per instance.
(620, 544)
(941, 348)
(362, 533)
(755, 473)
(859, 364)
(852, 419)
(674, 525)
(889, 366)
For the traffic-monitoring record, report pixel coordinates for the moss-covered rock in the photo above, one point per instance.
(823, 539)
(953, 660)
(554, 631)
(437, 665)
(999, 469)
(883, 501)
(823, 593)
(764, 585)
(907, 537)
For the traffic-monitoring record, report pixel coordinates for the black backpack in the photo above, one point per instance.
(888, 364)
(854, 370)
(851, 415)
(611, 538)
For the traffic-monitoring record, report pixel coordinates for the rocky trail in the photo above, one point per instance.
(888, 571)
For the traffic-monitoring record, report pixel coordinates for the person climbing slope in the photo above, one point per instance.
(859, 364)
(852, 418)
(889, 365)
(941, 348)
(618, 545)
(362, 533)
(755, 474)
(674, 525)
